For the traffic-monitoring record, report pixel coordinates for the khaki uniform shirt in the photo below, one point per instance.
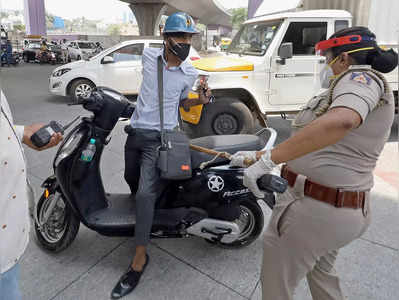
(349, 163)
(14, 191)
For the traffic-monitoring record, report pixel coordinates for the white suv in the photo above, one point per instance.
(80, 49)
(118, 67)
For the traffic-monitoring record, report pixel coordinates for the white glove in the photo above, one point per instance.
(257, 170)
(237, 159)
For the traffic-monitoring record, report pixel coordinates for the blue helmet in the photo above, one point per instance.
(180, 22)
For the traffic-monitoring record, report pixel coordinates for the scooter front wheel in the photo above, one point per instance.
(61, 227)
(250, 222)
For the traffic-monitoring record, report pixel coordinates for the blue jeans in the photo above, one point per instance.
(9, 284)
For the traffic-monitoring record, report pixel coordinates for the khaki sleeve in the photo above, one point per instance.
(357, 91)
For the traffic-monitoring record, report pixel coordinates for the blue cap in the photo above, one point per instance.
(180, 22)
(92, 141)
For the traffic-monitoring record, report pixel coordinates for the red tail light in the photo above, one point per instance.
(195, 58)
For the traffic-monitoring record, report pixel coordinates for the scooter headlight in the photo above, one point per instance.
(69, 145)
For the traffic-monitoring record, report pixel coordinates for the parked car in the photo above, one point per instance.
(118, 67)
(30, 52)
(27, 41)
(81, 49)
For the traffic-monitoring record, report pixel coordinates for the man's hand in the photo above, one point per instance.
(30, 130)
(205, 92)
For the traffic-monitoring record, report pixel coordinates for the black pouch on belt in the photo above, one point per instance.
(174, 160)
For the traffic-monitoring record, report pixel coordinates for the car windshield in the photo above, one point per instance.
(254, 39)
(86, 45)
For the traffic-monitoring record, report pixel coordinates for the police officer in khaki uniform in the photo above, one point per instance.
(329, 162)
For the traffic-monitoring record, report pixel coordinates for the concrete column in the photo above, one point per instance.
(148, 16)
(253, 5)
(35, 17)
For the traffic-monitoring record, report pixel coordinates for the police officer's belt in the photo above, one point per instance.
(333, 196)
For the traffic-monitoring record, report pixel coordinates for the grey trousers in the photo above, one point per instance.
(302, 239)
(142, 176)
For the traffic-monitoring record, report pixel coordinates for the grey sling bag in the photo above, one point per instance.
(174, 159)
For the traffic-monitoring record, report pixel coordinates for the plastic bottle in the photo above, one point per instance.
(88, 153)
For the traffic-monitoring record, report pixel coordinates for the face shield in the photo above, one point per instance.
(323, 71)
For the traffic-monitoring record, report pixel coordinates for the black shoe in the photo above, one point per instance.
(128, 282)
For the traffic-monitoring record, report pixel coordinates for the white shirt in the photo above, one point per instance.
(14, 191)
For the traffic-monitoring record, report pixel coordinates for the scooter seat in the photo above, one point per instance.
(223, 143)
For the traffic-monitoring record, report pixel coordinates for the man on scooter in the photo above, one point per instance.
(141, 171)
(43, 50)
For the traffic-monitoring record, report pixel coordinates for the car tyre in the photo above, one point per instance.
(81, 88)
(224, 116)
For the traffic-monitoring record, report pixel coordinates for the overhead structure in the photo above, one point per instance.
(253, 6)
(149, 12)
(35, 17)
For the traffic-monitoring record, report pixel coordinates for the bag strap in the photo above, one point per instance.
(160, 96)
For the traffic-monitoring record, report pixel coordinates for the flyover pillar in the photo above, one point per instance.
(35, 17)
(148, 16)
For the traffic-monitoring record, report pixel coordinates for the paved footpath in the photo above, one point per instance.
(183, 269)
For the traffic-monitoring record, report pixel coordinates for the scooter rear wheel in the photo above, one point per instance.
(250, 222)
(61, 228)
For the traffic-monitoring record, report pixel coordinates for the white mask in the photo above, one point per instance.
(326, 76)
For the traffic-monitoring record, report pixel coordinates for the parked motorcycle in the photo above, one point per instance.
(45, 57)
(213, 204)
(7, 59)
(57, 50)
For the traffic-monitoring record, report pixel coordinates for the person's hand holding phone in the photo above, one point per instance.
(205, 93)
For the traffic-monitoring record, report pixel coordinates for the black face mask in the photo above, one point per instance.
(181, 50)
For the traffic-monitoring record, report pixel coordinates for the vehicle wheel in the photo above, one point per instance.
(225, 116)
(81, 88)
(61, 228)
(250, 223)
(26, 58)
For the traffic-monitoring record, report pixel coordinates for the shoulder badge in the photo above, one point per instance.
(361, 77)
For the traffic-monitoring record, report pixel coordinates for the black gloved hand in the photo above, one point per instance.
(94, 103)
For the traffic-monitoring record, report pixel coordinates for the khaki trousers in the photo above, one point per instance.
(302, 239)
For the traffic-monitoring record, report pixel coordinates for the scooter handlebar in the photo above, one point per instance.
(272, 184)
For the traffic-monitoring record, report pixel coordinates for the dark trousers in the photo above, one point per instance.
(142, 176)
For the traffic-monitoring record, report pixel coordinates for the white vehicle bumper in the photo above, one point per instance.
(57, 86)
